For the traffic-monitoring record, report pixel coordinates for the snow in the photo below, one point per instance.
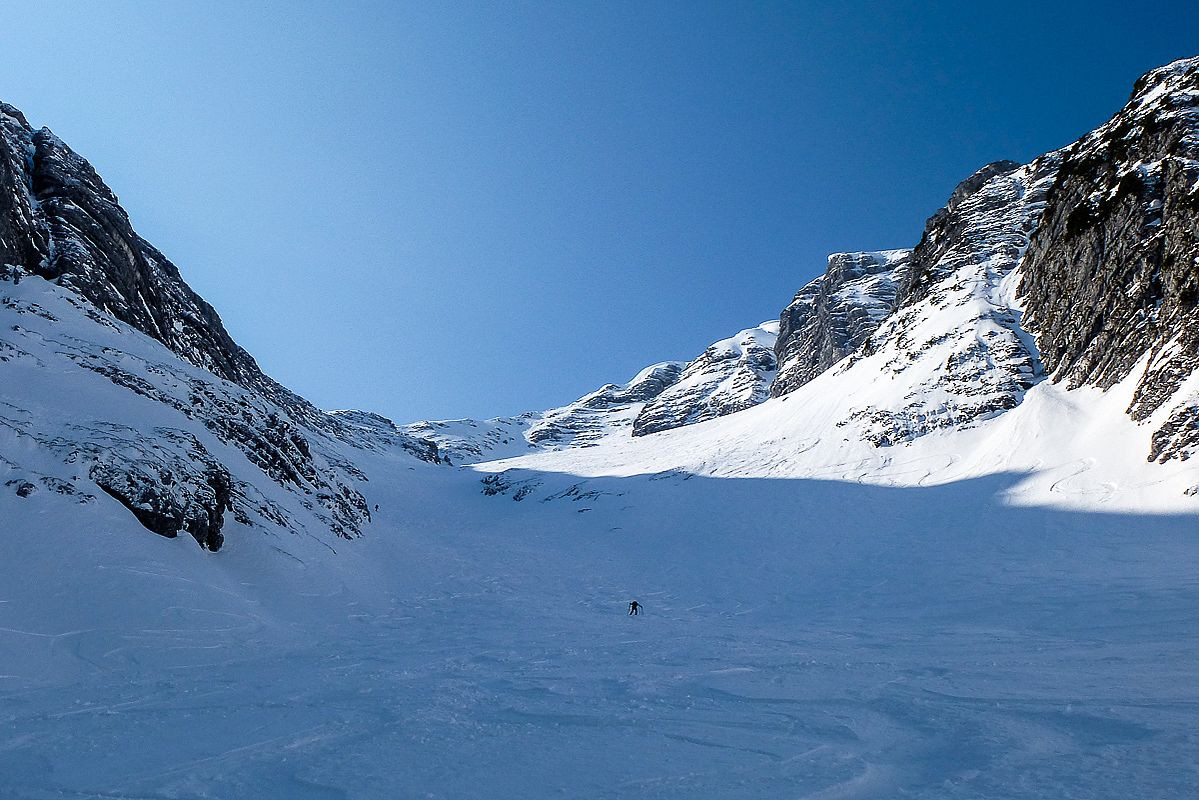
(1005, 611)
(803, 637)
(763, 335)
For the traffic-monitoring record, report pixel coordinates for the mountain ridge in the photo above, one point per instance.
(971, 254)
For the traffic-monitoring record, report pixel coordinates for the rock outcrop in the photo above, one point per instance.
(833, 315)
(1102, 241)
(975, 224)
(1111, 279)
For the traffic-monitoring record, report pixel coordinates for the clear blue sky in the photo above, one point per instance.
(435, 209)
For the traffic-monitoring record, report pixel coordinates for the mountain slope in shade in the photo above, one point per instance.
(95, 411)
(101, 335)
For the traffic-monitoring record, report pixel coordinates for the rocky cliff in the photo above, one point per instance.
(833, 315)
(1111, 279)
(80, 292)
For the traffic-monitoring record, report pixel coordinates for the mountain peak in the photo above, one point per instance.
(1173, 76)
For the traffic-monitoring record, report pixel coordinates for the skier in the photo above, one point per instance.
(376, 508)
(634, 608)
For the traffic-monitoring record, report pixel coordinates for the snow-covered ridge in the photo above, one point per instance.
(607, 412)
(729, 376)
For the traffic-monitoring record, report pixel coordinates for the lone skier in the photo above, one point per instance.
(634, 608)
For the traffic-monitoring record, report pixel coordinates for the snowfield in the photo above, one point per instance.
(944, 619)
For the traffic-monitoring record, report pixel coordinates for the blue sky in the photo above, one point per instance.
(438, 210)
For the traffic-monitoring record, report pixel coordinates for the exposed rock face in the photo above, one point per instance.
(1111, 279)
(148, 487)
(833, 315)
(973, 225)
(59, 220)
(609, 409)
(731, 375)
(61, 223)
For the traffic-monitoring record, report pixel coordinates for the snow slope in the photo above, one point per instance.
(1000, 610)
(916, 633)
